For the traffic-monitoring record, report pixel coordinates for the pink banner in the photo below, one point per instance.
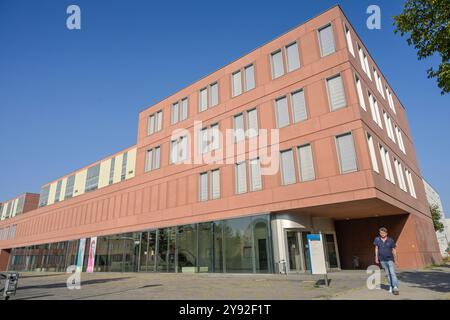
(91, 259)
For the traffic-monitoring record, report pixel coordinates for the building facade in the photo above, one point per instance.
(319, 143)
(443, 237)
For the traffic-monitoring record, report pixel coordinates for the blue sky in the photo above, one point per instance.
(69, 98)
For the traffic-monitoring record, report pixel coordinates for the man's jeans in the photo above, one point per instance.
(389, 268)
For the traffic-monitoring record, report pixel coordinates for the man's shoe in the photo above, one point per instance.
(390, 289)
(395, 291)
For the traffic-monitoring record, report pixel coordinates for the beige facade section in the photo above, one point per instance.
(80, 183)
(63, 189)
(103, 179)
(118, 168)
(131, 164)
(52, 193)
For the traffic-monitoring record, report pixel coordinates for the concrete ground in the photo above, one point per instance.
(431, 283)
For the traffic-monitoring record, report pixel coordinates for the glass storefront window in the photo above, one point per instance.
(238, 245)
(187, 248)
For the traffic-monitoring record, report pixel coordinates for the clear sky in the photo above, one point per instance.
(69, 98)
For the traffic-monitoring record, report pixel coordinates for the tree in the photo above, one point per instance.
(436, 216)
(427, 23)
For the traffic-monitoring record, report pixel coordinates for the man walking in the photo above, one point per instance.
(386, 254)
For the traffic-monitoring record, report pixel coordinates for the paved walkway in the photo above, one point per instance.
(432, 283)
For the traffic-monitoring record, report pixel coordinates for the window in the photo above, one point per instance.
(373, 157)
(299, 106)
(111, 170)
(58, 191)
(287, 167)
(375, 110)
(214, 189)
(252, 123)
(69, 187)
(400, 139)
(277, 64)
(409, 178)
(237, 83)
(361, 58)
(387, 166)
(179, 111)
(154, 123)
(43, 196)
(5, 233)
(306, 163)
(179, 150)
(348, 37)
(92, 178)
(152, 159)
(336, 93)
(362, 102)
(208, 139)
(241, 177)
(390, 100)
(400, 176)
(12, 233)
(215, 184)
(203, 102)
(255, 175)
(293, 61)
(282, 112)
(20, 205)
(378, 82)
(214, 93)
(346, 153)
(388, 123)
(239, 129)
(249, 74)
(326, 40)
(366, 62)
(203, 186)
(124, 166)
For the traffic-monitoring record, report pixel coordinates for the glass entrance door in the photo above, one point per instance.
(297, 249)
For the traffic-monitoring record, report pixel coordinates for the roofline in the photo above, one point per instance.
(20, 195)
(257, 48)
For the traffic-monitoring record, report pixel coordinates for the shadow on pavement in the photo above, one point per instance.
(40, 275)
(64, 284)
(438, 281)
(35, 297)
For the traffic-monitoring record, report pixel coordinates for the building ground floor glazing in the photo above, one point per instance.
(264, 243)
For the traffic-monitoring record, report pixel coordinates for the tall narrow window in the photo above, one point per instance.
(252, 123)
(111, 171)
(306, 163)
(92, 178)
(215, 184)
(373, 157)
(203, 186)
(69, 187)
(390, 100)
(255, 175)
(124, 166)
(336, 93)
(214, 93)
(151, 124)
(179, 150)
(299, 106)
(184, 109)
(58, 191)
(366, 62)
(387, 165)
(287, 167)
(361, 58)
(412, 189)
(159, 120)
(326, 40)
(241, 177)
(282, 112)
(214, 137)
(152, 159)
(348, 37)
(400, 139)
(237, 83)
(203, 99)
(203, 141)
(293, 61)
(346, 153)
(174, 115)
(249, 74)
(400, 176)
(362, 102)
(239, 129)
(43, 196)
(277, 64)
